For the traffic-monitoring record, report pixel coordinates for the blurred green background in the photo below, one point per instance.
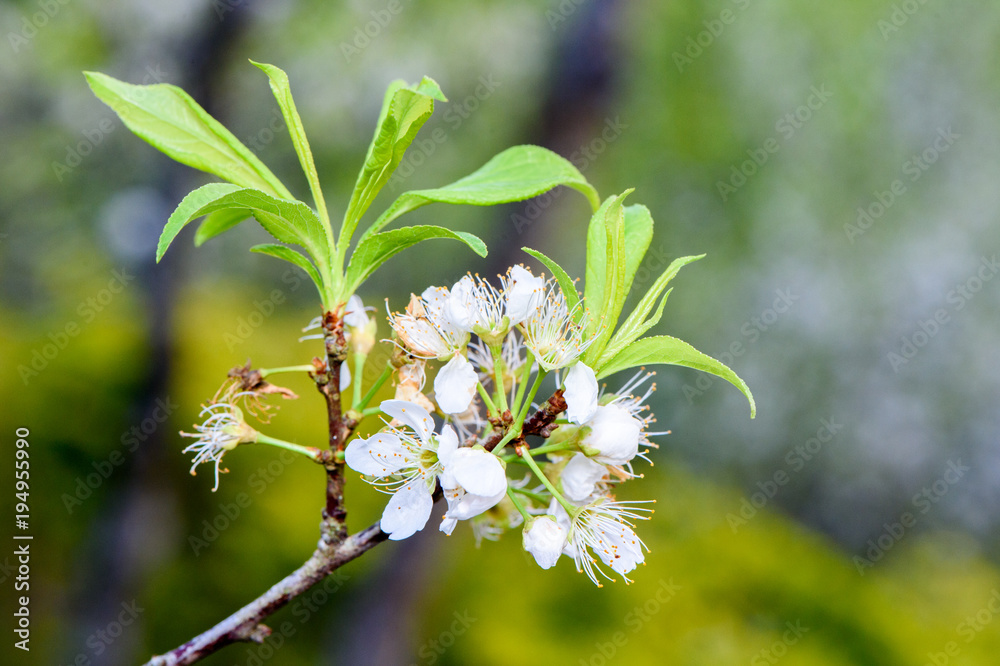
(754, 131)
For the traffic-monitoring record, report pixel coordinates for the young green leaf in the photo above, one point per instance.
(288, 221)
(283, 93)
(516, 174)
(638, 236)
(186, 211)
(663, 349)
(562, 277)
(404, 111)
(605, 290)
(219, 222)
(171, 121)
(297, 258)
(375, 250)
(637, 324)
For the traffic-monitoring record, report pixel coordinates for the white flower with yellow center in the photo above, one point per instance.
(551, 332)
(222, 431)
(602, 527)
(407, 460)
(424, 330)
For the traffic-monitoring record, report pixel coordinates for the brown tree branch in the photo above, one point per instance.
(540, 423)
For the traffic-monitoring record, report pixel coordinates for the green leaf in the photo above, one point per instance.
(663, 349)
(375, 250)
(171, 121)
(283, 93)
(562, 277)
(219, 222)
(186, 211)
(516, 174)
(638, 236)
(637, 324)
(606, 288)
(404, 111)
(288, 221)
(290, 255)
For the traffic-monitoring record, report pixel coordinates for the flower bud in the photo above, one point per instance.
(544, 538)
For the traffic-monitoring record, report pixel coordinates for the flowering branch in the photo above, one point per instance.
(504, 336)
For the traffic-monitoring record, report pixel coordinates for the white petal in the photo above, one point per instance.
(447, 445)
(412, 415)
(461, 309)
(580, 393)
(545, 539)
(345, 376)
(524, 295)
(478, 471)
(379, 455)
(615, 433)
(435, 298)
(454, 385)
(448, 525)
(408, 510)
(620, 548)
(468, 505)
(354, 314)
(580, 476)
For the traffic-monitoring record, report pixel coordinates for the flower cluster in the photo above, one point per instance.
(496, 347)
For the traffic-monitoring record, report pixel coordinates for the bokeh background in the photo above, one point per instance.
(773, 541)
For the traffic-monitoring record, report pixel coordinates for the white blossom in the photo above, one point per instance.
(455, 385)
(545, 539)
(580, 476)
(409, 459)
(476, 306)
(602, 527)
(425, 330)
(406, 458)
(222, 431)
(614, 435)
(525, 293)
(473, 480)
(551, 332)
(581, 393)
